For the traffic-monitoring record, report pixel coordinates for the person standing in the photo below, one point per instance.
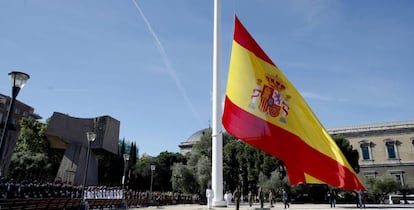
(210, 196)
(228, 197)
(332, 198)
(285, 198)
(250, 198)
(361, 199)
(271, 198)
(261, 197)
(225, 198)
(236, 196)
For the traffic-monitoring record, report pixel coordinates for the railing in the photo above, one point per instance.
(391, 198)
(40, 203)
(74, 203)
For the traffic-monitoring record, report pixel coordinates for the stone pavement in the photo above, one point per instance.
(277, 206)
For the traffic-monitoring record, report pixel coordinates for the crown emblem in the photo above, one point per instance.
(269, 98)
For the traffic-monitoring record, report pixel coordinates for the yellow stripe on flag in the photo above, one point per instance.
(265, 110)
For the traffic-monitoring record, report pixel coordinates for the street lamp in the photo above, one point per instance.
(91, 136)
(18, 80)
(126, 158)
(124, 204)
(152, 176)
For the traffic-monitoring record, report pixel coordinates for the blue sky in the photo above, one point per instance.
(148, 63)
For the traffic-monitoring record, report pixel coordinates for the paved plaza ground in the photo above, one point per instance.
(278, 206)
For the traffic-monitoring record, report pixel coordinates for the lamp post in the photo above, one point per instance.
(91, 136)
(124, 204)
(18, 80)
(152, 177)
(126, 158)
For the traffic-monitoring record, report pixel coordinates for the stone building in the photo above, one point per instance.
(385, 148)
(69, 133)
(186, 146)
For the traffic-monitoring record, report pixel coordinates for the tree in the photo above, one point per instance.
(133, 153)
(231, 165)
(33, 157)
(382, 186)
(183, 179)
(349, 152)
(142, 173)
(122, 149)
(273, 183)
(110, 168)
(164, 161)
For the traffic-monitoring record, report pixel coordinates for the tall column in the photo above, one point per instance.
(217, 138)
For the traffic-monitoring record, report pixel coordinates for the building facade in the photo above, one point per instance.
(385, 148)
(20, 110)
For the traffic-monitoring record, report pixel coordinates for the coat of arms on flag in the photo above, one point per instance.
(270, 97)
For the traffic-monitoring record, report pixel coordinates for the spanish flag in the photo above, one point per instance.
(263, 109)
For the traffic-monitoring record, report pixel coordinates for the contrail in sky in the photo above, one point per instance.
(167, 63)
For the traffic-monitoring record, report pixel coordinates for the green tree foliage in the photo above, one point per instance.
(162, 175)
(382, 186)
(142, 173)
(232, 169)
(122, 149)
(242, 164)
(133, 153)
(202, 147)
(273, 183)
(33, 157)
(110, 169)
(349, 152)
(203, 173)
(183, 179)
(111, 166)
(27, 165)
(164, 161)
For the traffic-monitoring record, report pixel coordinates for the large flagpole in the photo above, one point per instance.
(217, 137)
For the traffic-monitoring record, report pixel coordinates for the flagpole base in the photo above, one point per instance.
(219, 203)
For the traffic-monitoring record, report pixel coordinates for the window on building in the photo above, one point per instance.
(399, 176)
(365, 151)
(370, 174)
(412, 143)
(25, 114)
(14, 121)
(391, 149)
(17, 111)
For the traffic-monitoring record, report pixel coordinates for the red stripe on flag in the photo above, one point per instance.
(242, 36)
(298, 156)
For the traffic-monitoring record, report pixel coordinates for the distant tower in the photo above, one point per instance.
(66, 132)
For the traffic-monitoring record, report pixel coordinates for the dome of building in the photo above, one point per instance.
(197, 135)
(186, 146)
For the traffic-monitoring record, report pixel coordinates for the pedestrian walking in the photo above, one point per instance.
(285, 198)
